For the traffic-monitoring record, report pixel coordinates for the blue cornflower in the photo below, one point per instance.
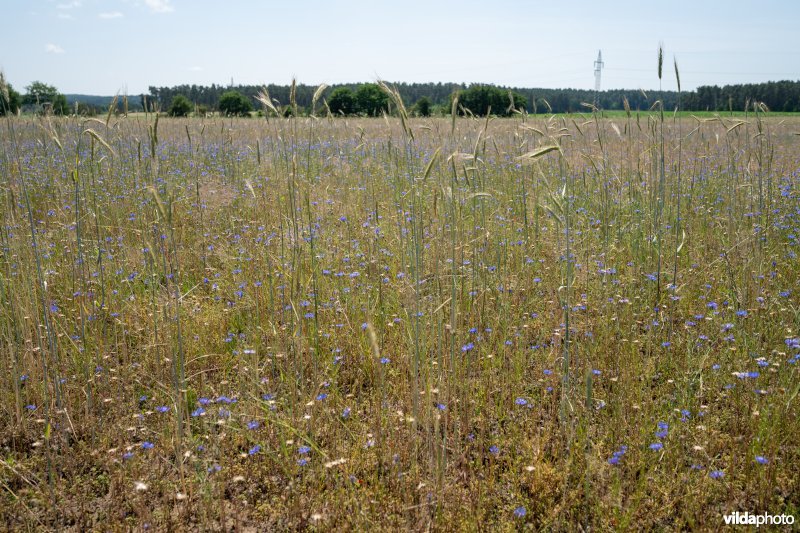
(494, 450)
(760, 459)
(162, 408)
(254, 450)
(321, 396)
(253, 424)
(147, 445)
(521, 401)
(716, 474)
(520, 512)
(656, 446)
(302, 450)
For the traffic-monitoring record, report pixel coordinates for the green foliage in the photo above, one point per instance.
(45, 98)
(10, 99)
(342, 101)
(778, 96)
(484, 99)
(371, 100)
(423, 107)
(368, 100)
(86, 110)
(234, 103)
(180, 107)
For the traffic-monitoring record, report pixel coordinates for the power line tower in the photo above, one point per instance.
(598, 66)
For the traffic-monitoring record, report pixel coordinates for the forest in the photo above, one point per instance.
(781, 96)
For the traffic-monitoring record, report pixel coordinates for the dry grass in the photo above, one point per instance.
(351, 332)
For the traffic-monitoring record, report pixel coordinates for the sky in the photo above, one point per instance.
(102, 47)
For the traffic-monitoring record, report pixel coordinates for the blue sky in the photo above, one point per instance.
(105, 46)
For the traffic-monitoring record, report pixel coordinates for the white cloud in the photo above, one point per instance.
(69, 5)
(111, 15)
(65, 16)
(53, 49)
(159, 6)
(196, 69)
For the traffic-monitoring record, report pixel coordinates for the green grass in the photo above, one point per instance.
(367, 324)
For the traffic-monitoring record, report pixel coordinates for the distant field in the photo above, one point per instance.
(727, 115)
(557, 323)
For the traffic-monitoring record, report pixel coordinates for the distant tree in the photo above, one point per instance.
(86, 110)
(485, 99)
(234, 103)
(180, 106)
(10, 100)
(371, 100)
(423, 107)
(342, 101)
(44, 97)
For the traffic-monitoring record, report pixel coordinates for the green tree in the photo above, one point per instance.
(234, 103)
(44, 97)
(423, 107)
(484, 99)
(180, 106)
(9, 98)
(86, 110)
(371, 100)
(342, 101)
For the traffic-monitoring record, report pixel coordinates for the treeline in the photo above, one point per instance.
(420, 98)
(778, 96)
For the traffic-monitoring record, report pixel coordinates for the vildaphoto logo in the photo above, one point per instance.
(758, 520)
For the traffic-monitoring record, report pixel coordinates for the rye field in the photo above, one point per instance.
(537, 323)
